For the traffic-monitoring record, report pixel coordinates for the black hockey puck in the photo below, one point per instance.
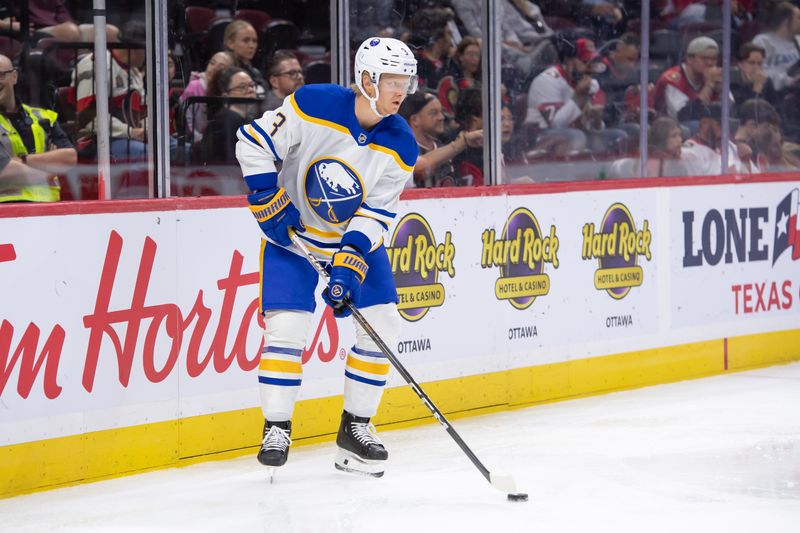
(518, 497)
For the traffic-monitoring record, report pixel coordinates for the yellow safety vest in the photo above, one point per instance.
(30, 193)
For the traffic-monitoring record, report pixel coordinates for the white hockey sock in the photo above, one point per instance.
(280, 371)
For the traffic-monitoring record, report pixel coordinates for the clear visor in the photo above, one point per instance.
(404, 84)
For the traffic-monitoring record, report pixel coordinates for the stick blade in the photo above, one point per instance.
(503, 483)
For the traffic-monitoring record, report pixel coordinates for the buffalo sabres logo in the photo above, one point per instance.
(333, 189)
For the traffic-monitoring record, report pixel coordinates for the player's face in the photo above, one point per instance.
(393, 89)
(244, 43)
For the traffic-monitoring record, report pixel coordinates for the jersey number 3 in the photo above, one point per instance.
(277, 124)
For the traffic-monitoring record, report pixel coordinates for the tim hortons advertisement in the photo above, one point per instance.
(115, 320)
(740, 250)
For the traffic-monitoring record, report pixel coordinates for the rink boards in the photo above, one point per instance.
(129, 335)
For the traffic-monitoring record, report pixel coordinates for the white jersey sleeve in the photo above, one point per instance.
(267, 140)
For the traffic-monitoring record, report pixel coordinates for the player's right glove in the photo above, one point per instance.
(275, 213)
(348, 270)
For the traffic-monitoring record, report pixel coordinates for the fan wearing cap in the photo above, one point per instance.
(345, 156)
(565, 92)
(702, 153)
(698, 78)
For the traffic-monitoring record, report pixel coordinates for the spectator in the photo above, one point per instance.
(434, 168)
(466, 65)
(615, 73)
(372, 18)
(431, 31)
(285, 77)
(51, 18)
(241, 40)
(664, 153)
(469, 116)
(754, 116)
(521, 27)
(196, 119)
(702, 153)
(562, 94)
(126, 93)
(33, 140)
(698, 78)
(219, 142)
(750, 80)
(771, 153)
(780, 50)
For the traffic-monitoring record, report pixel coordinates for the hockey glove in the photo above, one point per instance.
(348, 271)
(275, 213)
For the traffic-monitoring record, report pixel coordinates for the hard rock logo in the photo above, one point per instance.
(416, 261)
(521, 252)
(617, 247)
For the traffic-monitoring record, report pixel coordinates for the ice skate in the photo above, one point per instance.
(275, 445)
(360, 450)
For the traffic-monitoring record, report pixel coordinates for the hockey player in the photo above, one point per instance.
(345, 158)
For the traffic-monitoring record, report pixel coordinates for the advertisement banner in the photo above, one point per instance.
(737, 257)
(117, 319)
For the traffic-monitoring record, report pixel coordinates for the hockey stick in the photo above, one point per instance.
(504, 483)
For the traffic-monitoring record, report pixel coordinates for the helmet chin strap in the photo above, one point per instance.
(372, 101)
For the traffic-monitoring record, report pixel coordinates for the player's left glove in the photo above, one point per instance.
(348, 270)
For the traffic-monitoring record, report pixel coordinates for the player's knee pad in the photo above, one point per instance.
(385, 320)
(287, 329)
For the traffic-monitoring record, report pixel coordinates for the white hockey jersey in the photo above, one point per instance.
(550, 103)
(340, 177)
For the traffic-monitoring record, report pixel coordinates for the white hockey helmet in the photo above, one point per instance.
(383, 55)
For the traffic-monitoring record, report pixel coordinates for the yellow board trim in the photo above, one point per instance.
(40, 465)
(379, 369)
(276, 365)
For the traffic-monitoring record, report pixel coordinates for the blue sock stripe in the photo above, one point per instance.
(286, 351)
(374, 382)
(359, 351)
(280, 382)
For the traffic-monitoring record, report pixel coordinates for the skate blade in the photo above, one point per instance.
(353, 464)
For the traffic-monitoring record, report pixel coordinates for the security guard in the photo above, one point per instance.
(33, 137)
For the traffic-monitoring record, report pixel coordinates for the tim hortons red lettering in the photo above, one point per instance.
(328, 321)
(766, 295)
(100, 323)
(29, 365)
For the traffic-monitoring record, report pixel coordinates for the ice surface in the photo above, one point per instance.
(717, 454)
